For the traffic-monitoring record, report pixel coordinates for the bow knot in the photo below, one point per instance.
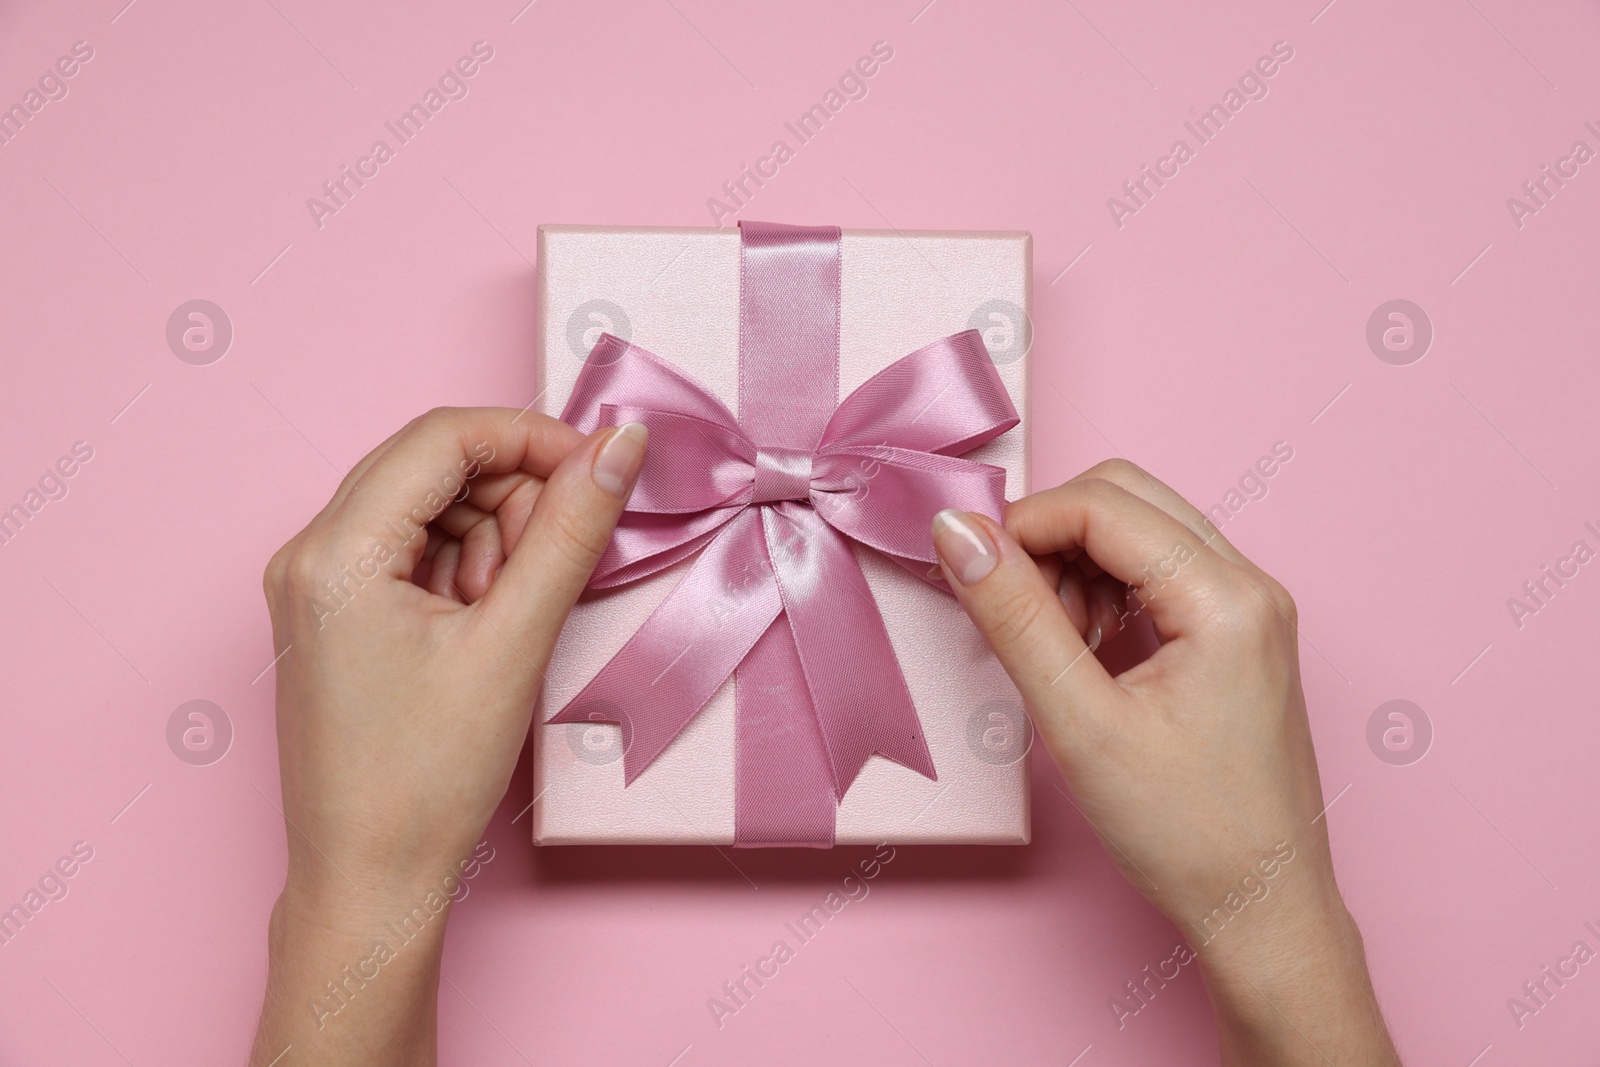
(782, 474)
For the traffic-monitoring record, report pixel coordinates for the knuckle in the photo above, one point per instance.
(1101, 494)
(302, 570)
(1281, 601)
(272, 577)
(1234, 604)
(1256, 606)
(1091, 484)
(1116, 470)
(1259, 613)
(434, 420)
(276, 576)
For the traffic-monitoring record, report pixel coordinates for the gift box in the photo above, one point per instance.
(669, 322)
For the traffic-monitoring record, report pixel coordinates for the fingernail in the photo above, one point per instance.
(618, 462)
(1095, 634)
(964, 546)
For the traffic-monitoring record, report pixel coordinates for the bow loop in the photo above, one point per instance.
(692, 464)
(945, 398)
(624, 375)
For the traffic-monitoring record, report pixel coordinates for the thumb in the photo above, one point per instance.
(1022, 618)
(571, 524)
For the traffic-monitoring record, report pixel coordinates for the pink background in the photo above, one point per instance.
(1227, 315)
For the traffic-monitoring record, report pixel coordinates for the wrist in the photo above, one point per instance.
(324, 910)
(357, 890)
(352, 976)
(1293, 987)
(1301, 920)
(1298, 956)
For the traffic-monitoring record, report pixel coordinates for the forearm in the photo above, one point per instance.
(352, 979)
(1295, 990)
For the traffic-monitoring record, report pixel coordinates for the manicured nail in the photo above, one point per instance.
(964, 546)
(618, 462)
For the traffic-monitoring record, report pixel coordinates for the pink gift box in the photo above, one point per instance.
(675, 292)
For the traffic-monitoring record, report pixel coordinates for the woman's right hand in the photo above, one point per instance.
(1195, 767)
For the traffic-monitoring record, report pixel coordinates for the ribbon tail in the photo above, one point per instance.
(858, 692)
(783, 782)
(686, 649)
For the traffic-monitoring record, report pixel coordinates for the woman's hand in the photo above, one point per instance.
(414, 618)
(1195, 767)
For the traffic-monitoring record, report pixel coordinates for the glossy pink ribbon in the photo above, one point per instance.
(771, 501)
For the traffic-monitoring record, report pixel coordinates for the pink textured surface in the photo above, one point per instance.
(1227, 314)
(678, 293)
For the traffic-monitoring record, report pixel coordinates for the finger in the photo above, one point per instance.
(1023, 619)
(1052, 566)
(481, 553)
(459, 518)
(571, 525)
(1089, 567)
(436, 541)
(515, 511)
(1107, 599)
(1146, 486)
(1070, 587)
(428, 465)
(350, 480)
(442, 578)
(1179, 579)
(488, 492)
(510, 497)
(484, 543)
(424, 568)
(481, 558)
